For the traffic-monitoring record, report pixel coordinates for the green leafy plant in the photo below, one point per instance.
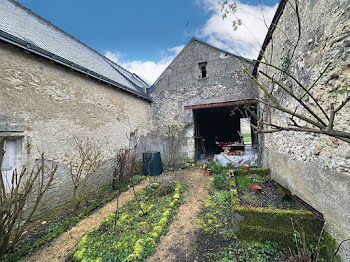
(217, 226)
(137, 233)
(215, 167)
(229, 165)
(250, 252)
(258, 180)
(220, 181)
(136, 179)
(243, 182)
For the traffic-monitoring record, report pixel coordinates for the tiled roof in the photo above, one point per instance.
(24, 28)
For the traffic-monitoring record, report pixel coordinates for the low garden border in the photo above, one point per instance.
(266, 224)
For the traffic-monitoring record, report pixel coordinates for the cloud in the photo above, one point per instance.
(248, 38)
(114, 56)
(245, 41)
(147, 70)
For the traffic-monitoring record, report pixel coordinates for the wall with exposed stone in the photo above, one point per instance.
(314, 167)
(47, 105)
(180, 85)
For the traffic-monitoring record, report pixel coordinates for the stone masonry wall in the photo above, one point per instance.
(49, 105)
(180, 85)
(314, 167)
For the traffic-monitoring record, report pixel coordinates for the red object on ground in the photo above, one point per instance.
(255, 188)
(207, 173)
(246, 167)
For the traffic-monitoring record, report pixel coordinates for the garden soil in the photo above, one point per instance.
(177, 244)
(64, 245)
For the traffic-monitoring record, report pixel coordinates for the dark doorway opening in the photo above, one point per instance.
(215, 124)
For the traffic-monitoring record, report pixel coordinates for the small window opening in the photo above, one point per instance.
(203, 69)
(10, 161)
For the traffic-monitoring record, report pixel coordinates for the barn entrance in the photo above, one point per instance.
(220, 128)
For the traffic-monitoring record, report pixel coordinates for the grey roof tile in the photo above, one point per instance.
(23, 24)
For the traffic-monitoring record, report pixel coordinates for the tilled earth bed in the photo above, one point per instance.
(269, 196)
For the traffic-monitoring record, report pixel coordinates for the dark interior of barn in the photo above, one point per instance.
(215, 124)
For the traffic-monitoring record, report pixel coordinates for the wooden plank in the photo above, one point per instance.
(222, 104)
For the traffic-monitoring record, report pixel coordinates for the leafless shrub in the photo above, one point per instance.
(83, 168)
(303, 253)
(174, 135)
(19, 200)
(127, 165)
(126, 168)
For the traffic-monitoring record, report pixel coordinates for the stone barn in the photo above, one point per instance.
(54, 88)
(193, 102)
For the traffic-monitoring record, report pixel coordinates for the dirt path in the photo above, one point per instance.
(176, 245)
(61, 247)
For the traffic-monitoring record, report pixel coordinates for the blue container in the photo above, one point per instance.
(152, 164)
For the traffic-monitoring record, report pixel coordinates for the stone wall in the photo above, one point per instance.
(180, 85)
(314, 167)
(47, 105)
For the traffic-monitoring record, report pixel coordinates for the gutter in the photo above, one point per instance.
(52, 57)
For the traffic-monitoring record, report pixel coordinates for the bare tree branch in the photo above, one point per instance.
(19, 199)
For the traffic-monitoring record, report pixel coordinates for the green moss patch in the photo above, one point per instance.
(272, 225)
(280, 219)
(133, 234)
(267, 224)
(263, 172)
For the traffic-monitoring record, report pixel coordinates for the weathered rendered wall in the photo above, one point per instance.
(314, 167)
(50, 105)
(180, 86)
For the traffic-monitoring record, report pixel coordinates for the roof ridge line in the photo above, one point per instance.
(237, 56)
(109, 60)
(109, 63)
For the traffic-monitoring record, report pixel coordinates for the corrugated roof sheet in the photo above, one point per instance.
(23, 24)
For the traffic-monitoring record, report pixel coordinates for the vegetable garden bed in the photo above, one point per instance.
(217, 240)
(239, 225)
(270, 195)
(47, 226)
(132, 233)
(266, 216)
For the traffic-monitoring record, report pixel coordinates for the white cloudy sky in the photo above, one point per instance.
(245, 41)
